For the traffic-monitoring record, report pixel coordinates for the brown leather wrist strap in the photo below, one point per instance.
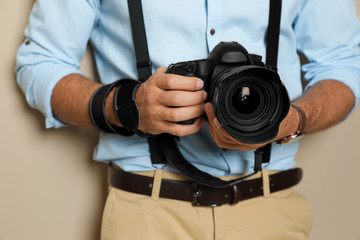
(302, 117)
(301, 128)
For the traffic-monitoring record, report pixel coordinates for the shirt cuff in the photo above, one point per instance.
(350, 79)
(43, 91)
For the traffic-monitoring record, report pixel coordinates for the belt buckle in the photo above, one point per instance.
(197, 193)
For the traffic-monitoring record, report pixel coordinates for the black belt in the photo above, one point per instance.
(201, 195)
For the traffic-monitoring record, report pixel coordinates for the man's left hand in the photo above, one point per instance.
(224, 140)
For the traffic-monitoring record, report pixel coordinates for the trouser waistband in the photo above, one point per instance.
(201, 195)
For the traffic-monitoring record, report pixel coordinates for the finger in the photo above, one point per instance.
(223, 133)
(214, 134)
(214, 125)
(211, 117)
(178, 82)
(184, 130)
(209, 111)
(231, 141)
(182, 113)
(226, 137)
(221, 136)
(213, 120)
(218, 138)
(160, 70)
(182, 98)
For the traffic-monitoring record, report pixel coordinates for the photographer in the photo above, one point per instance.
(57, 36)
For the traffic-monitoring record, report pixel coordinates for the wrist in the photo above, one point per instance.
(293, 127)
(126, 106)
(97, 110)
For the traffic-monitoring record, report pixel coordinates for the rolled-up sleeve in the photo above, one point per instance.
(328, 33)
(56, 38)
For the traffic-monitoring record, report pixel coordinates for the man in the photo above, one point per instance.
(328, 33)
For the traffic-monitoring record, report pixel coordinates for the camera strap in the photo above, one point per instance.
(164, 148)
(262, 155)
(273, 34)
(143, 63)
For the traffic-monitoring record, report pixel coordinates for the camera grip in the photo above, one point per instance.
(184, 69)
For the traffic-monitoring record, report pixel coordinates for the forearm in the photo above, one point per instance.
(326, 104)
(71, 96)
(70, 100)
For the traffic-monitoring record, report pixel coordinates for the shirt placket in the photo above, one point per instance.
(214, 22)
(214, 35)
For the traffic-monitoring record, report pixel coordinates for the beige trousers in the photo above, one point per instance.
(284, 215)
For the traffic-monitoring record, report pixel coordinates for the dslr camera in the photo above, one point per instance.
(249, 99)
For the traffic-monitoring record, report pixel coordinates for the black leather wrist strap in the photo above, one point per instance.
(126, 106)
(97, 111)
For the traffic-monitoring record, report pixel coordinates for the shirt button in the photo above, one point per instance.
(27, 42)
(212, 31)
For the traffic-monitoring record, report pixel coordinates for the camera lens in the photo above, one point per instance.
(245, 100)
(249, 102)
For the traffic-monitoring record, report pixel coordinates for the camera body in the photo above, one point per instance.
(249, 99)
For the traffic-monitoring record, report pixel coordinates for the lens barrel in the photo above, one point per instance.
(250, 102)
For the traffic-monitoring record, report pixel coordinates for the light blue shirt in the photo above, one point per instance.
(326, 31)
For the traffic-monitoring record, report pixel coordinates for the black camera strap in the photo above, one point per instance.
(143, 63)
(163, 148)
(262, 155)
(273, 34)
(143, 66)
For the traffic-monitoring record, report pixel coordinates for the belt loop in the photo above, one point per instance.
(266, 183)
(156, 184)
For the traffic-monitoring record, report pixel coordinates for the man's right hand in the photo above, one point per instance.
(165, 99)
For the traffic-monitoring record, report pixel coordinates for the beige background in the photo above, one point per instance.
(51, 189)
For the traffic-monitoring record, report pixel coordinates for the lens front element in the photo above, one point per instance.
(245, 100)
